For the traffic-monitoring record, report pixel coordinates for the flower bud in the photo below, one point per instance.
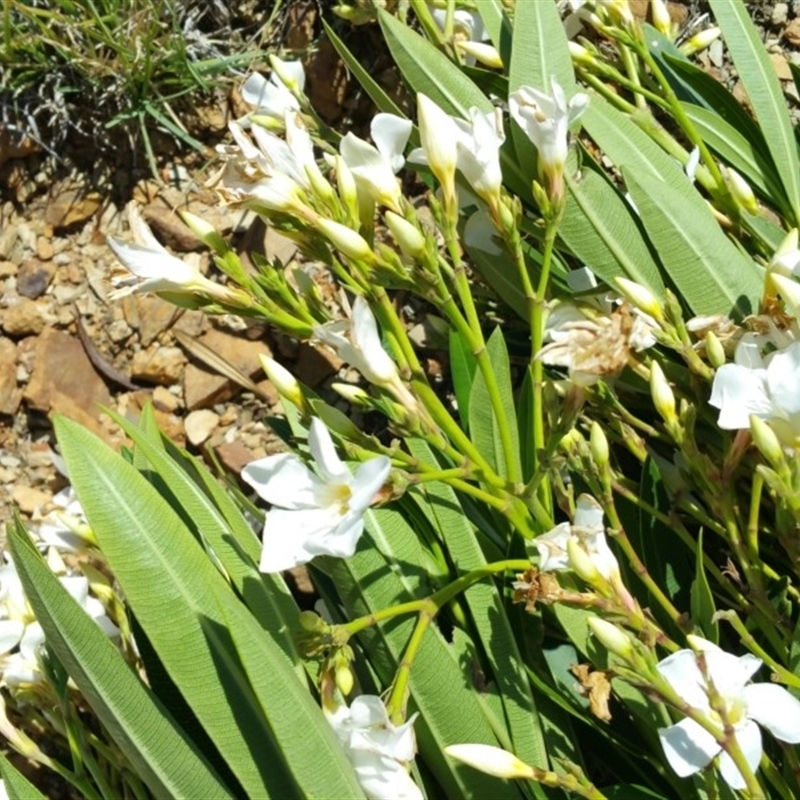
(482, 52)
(789, 290)
(285, 75)
(766, 441)
(787, 257)
(346, 240)
(641, 297)
(311, 622)
(353, 394)
(598, 444)
(344, 679)
(205, 232)
(491, 760)
(715, 352)
(283, 381)
(740, 191)
(408, 237)
(346, 183)
(700, 41)
(440, 151)
(663, 396)
(662, 21)
(614, 639)
(580, 55)
(581, 562)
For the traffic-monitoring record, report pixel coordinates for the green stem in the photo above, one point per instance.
(427, 610)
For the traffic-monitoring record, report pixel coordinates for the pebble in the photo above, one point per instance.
(780, 13)
(200, 424)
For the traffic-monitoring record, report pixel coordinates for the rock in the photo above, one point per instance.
(34, 277)
(780, 13)
(25, 317)
(10, 393)
(234, 455)
(202, 387)
(7, 268)
(314, 366)
(792, 33)
(71, 207)
(64, 379)
(199, 425)
(150, 315)
(781, 66)
(169, 228)
(162, 365)
(29, 499)
(44, 248)
(165, 400)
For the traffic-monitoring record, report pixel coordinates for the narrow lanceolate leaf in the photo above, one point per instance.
(429, 71)
(494, 631)
(184, 605)
(17, 786)
(763, 88)
(600, 228)
(160, 752)
(704, 611)
(712, 274)
(539, 49)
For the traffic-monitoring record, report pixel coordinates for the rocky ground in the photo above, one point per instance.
(65, 348)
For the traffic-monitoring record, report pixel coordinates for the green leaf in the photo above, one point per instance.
(494, 631)
(702, 599)
(484, 430)
(599, 227)
(367, 82)
(266, 596)
(462, 370)
(498, 26)
(451, 710)
(160, 752)
(763, 88)
(539, 49)
(184, 604)
(711, 273)
(739, 152)
(17, 786)
(429, 71)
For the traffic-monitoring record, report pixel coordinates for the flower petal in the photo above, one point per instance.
(783, 379)
(11, 631)
(682, 673)
(367, 482)
(324, 453)
(773, 707)
(390, 134)
(290, 535)
(739, 392)
(588, 513)
(383, 778)
(748, 736)
(688, 747)
(552, 548)
(334, 536)
(376, 364)
(284, 481)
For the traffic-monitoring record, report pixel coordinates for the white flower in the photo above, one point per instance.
(378, 750)
(313, 514)
(546, 118)
(688, 746)
(272, 98)
(473, 146)
(786, 259)
(587, 528)
(767, 387)
(357, 342)
(65, 527)
(374, 166)
(269, 176)
(154, 269)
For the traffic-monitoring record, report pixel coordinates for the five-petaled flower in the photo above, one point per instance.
(588, 530)
(272, 98)
(378, 750)
(688, 746)
(313, 514)
(767, 387)
(153, 269)
(546, 119)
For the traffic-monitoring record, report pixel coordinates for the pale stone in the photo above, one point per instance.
(199, 425)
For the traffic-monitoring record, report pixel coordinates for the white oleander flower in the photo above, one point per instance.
(374, 166)
(357, 342)
(546, 118)
(313, 514)
(767, 387)
(153, 269)
(379, 751)
(272, 97)
(588, 529)
(688, 746)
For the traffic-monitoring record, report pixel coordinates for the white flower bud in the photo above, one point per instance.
(408, 237)
(663, 396)
(491, 760)
(346, 240)
(614, 639)
(641, 297)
